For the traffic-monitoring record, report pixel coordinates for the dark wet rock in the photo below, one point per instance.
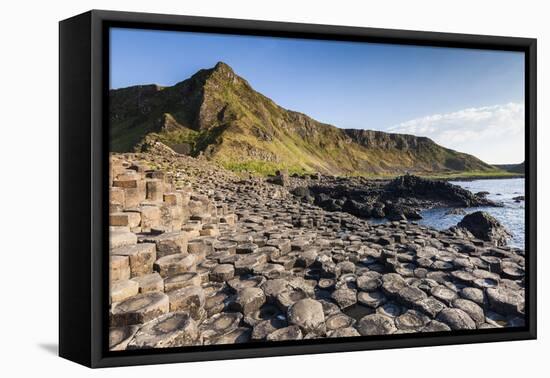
(485, 227)
(281, 178)
(266, 312)
(246, 248)
(306, 258)
(376, 324)
(456, 319)
(389, 309)
(266, 327)
(413, 186)
(371, 299)
(303, 194)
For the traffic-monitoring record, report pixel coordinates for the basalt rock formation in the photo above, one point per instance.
(399, 199)
(202, 256)
(484, 226)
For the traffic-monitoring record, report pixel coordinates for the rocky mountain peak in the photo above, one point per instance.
(218, 113)
(223, 67)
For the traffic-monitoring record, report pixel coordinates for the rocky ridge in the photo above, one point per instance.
(217, 114)
(202, 256)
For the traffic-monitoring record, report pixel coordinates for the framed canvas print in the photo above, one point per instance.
(233, 188)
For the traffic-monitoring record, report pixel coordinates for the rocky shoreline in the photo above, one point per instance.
(202, 256)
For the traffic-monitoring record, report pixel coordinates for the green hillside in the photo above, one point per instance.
(217, 114)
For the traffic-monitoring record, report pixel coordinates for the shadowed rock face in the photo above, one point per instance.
(452, 195)
(216, 113)
(231, 259)
(398, 199)
(484, 226)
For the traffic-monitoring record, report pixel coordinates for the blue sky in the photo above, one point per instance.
(460, 98)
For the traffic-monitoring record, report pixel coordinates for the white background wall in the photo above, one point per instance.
(29, 188)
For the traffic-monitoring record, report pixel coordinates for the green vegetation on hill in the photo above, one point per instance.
(512, 168)
(217, 114)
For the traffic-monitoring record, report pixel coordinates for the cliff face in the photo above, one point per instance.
(218, 114)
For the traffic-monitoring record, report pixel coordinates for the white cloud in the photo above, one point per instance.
(495, 134)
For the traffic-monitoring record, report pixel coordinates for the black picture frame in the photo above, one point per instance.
(83, 196)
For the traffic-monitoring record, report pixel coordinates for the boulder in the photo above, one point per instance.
(485, 227)
(308, 315)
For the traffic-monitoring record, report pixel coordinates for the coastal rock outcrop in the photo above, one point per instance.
(202, 256)
(484, 226)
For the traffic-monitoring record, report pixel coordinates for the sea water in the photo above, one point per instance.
(511, 215)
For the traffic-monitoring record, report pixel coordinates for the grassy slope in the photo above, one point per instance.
(218, 114)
